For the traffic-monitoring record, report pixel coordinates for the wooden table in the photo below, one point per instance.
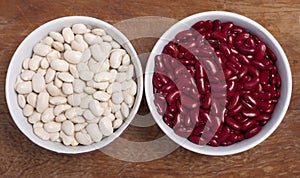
(278, 156)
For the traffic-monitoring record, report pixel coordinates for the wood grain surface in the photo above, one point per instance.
(278, 156)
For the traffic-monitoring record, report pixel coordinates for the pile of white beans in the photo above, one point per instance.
(77, 87)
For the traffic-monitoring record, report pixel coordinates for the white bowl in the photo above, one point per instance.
(283, 68)
(25, 50)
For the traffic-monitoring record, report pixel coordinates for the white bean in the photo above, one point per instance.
(21, 101)
(121, 76)
(68, 34)
(34, 117)
(42, 102)
(54, 136)
(34, 62)
(50, 75)
(101, 96)
(83, 138)
(27, 75)
(79, 127)
(59, 65)
(38, 83)
(57, 81)
(57, 100)
(78, 85)
(82, 66)
(57, 36)
(105, 126)
(89, 38)
(47, 41)
(115, 59)
(52, 126)
(41, 71)
(115, 45)
(124, 109)
(73, 112)
(65, 76)
(40, 132)
(86, 55)
(60, 109)
(86, 75)
(68, 127)
(54, 54)
(126, 59)
(102, 77)
(60, 118)
(58, 46)
(41, 49)
(31, 99)
(98, 31)
(89, 90)
(94, 132)
(96, 108)
(133, 88)
(77, 46)
(107, 38)
(88, 115)
(114, 87)
(85, 101)
(25, 64)
(24, 87)
(74, 71)
(67, 88)
(53, 90)
(44, 63)
(66, 139)
(47, 115)
(72, 56)
(79, 28)
(74, 100)
(117, 97)
(117, 123)
(27, 110)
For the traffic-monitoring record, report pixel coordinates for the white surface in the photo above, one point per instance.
(25, 50)
(283, 68)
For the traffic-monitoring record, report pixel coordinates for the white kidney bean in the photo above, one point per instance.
(121, 76)
(25, 63)
(94, 132)
(114, 87)
(86, 55)
(86, 75)
(117, 123)
(41, 132)
(88, 115)
(130, 72)
(133, 88)
(21, 101)
(67, 88)
(60, 118)
(44, 63)
(41, 71)
(79, 28)
(89, 38)
(126, 59)
(38, 83)
(125, 85)
(60, 109)
(27, 110)
(34, 62)
(119, 115)
(68, 127)
(65, 76)
(58, 46)
(48, 115)
(41, 49)
(72, 57)
(79, 127)
(98, 31)
(115, 59)
(66, 139)
(74, 99)
(101, 96)
(83, 138)
(31, 99)
(50, 75)
(102, 77)
(68, 34)
(57, 82)
(53, 90)
(85, 101)
(96, 108)
(77, 46)
(54, 136)
(34, 117)
(27, 75)
(57, 100)
(57, 36)
(89, 90)
(47, 41)
(124, 109)
(67, 47)
(117, 97)
(42, 101)
(52, 126)
(115, 45)
(73, 112)
(24, 87)
(74, 72)
(105, 126)
(59, 65)
(54, 54)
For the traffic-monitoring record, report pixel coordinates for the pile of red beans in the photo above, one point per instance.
(216, 83)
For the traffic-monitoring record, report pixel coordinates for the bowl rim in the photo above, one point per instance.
(110, 29)
(149, 94)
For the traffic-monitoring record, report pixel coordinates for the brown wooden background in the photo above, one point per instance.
(278, 156)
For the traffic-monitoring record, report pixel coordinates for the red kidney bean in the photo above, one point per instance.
(271, 54)
(243, 59)
(156, 82)
(226, 28)
(168, 87)
(263, 117)
(198, 140)
(162, 78)
(235, 62)
(188, 102)
(247, 50)
(250, 113)
(261, 51)
(208, 135)
(214, 143)
(187, 62)
(232, 67)
(201, 86)
(259, 65)
(168, 121)
(253, 71)
(169, 114)
(227, 73)
(207, 101)
(249, 124)
(173, 107)
(172, 96)
(248, 105)
(159, 63)
(233, 137)
(172, 49)
(231, 88)
(219, 36)
(234, 101)
(225, 134)
(243, 71)
(263, 105)
(251, 42)
(227, 143)
(253, 83)
(233, 50)
(236, 109)
(237, 29)
(217, 25)
(198, 25)
(225, 49)
(242, 36)
(252, 132)
(278, 81)
(160, 106)
(249, 98)
(271, 109)
(232, 123)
